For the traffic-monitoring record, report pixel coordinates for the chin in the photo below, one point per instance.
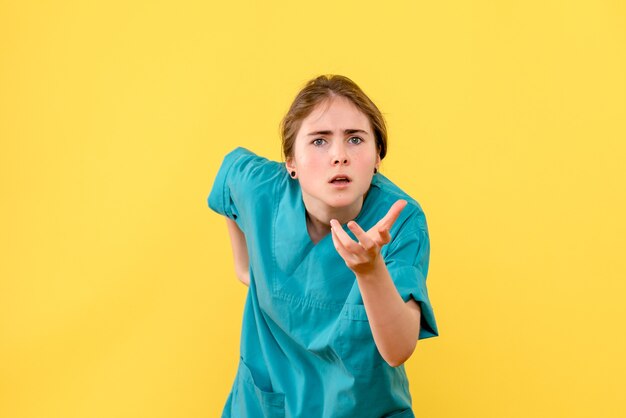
(343, 201)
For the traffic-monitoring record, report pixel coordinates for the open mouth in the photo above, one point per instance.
(340, 179)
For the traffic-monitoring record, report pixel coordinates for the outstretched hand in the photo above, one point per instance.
(361, 256)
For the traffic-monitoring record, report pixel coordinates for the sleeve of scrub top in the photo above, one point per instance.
(240, 173)
(407, 263)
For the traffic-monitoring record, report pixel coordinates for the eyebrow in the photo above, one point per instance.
(347, 132)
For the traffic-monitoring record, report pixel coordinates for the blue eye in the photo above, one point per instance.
(358, 140)
(317, 142)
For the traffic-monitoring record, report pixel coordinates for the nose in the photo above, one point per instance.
(340, 156)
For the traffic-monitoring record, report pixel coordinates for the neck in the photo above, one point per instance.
(320, 215)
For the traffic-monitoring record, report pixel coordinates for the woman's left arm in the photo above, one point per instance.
(395, 324)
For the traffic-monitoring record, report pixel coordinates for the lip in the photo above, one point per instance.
(341, 185)
(345, 176)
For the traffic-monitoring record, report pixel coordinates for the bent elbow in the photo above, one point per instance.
(396, 362)
(244, 278)
(400, 359)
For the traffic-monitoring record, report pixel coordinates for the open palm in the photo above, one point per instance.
(361, 256)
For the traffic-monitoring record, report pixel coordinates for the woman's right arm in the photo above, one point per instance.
(240, 251)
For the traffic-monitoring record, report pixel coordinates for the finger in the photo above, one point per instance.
(366, 242)
(344, 238)
(345, 254)
(392, 215)
(385, 236)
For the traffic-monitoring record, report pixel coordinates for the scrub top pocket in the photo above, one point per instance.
(357, 348)
(251, 401)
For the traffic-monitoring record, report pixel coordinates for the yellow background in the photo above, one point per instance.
(506, 121)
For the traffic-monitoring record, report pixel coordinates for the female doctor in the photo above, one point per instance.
(335, 257)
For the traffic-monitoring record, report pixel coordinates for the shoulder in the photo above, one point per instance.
(248, 169)
(243, 159)
(243, 180)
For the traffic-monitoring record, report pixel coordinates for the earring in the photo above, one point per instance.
(293, 174)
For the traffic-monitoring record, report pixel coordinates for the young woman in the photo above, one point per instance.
(336, 258)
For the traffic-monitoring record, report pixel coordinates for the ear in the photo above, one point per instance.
(290, 164)
(377, 160)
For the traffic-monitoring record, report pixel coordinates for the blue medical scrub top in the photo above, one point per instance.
(306, 345)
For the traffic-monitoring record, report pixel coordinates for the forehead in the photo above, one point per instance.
(336, 112)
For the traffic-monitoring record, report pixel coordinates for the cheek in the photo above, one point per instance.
(310, 162)
(364, 159)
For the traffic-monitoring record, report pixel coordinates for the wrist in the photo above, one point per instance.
(374, 271)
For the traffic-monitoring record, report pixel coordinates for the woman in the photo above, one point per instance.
(336, 258)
